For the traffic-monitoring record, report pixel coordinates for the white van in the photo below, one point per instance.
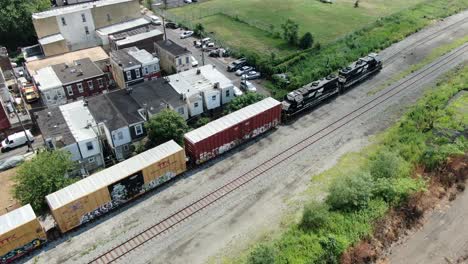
(194, 61)
(16, 140)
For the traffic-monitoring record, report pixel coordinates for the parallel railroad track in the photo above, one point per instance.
(174, 219)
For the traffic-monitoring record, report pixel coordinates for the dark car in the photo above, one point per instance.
(235, 65)
(171, 25)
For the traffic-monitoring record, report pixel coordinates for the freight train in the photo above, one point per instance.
(314, 93)
(98, 194)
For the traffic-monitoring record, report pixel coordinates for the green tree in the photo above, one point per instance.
(290, 31)
(16, 27)
(199, 30)
(42, 175)
(245, 100)
(351, 193)
(315, 216)
(306, 41)
(165, 126)
(388, 164)
(262, 254)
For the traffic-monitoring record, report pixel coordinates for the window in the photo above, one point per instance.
(129, 75)
(228, 93)
(181, 110)
(69, 90)
(89, 145)
(100, 82)
(146, 70)
(213, 98)
(137, 73)
(80, 87)
(86, 30)
(59, 94)
(108, 17)
(195, 105)
(90, 85)
(187, 60)
(120, 135)
(126, 147)
(48, 96)
(63, 21)
(138, 130)
(91, 160)
(83, 17)
(180, 61)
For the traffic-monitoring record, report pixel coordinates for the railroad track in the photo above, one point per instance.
(174, 219)
(393, 57)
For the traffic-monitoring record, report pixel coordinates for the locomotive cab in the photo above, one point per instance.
(360, 70)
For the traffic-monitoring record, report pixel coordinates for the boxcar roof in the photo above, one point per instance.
(16, 218)
(110, 175)
(230, 120)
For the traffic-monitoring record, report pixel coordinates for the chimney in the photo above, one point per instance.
(85, 102)
(198, 71)
(216, 85)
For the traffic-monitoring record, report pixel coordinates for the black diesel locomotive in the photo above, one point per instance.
(312, 94)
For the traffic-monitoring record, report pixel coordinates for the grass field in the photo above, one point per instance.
(326, 22)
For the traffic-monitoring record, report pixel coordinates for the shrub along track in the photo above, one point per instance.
(178, 217)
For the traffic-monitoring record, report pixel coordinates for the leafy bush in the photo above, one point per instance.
(244, 100)
(387, 164)
(306, 41)
(166, 125)
(262, 254)
(351, 193)
(315, 215)
(397, 190)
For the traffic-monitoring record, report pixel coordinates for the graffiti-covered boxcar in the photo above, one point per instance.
(231, 130)
(101, 192)
(20, 232)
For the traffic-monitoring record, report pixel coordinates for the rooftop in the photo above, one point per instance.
(75, 8)
(53, 125)
(79, 70)
(16, 218)
(199, 79)
(120, 27)
(123, 59)
(104, 111)
(79, 120)
(126, 105)
(51, 39)
(110, 175)
(143, 56)
(47, 79)
(138, 37)
(156, 95)
(95, 54)
(172, 47)
(230, 120)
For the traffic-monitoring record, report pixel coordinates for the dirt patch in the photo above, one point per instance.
(7, 202)
(444, 184)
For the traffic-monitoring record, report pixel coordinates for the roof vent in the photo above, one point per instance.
(216, 85)
(85, 102)
(80, 73)
(49, 114)
(129, 90)
(198, 71)
(73, 70)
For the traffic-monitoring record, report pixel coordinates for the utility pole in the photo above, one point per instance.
(164, 25)
(203, 56)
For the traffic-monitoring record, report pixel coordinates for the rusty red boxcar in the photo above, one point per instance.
(229, 131)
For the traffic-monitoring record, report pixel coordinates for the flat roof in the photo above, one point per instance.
(156, 94)
(16, 218)
(105, 112)
(51, 39)
(126, 105)
(110, 175)
(190, 82)
(172, 47)
(52, 125)
(95, 54)
(116, 28)
(75, 8)
(230, 120)
(79, 70)
(143, 56)
(138, 37)
(79, 120)
(123, 59)
(47, 79)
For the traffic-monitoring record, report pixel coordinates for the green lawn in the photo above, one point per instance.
(326, 22)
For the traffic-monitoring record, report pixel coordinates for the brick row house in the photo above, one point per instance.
(62, 83)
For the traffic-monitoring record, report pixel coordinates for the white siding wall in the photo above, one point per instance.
(121, 136)
(183, 111)
(74, 151)
(55, 96)
(183, 66)
(195, 110)
(74, 30)
(227, 94)
(212, 99)
(96, 148)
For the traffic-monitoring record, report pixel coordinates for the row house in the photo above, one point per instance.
(63, 82)
(72, 128)
(132, 65)
(74, 27)
(141, 37)
(174, 58)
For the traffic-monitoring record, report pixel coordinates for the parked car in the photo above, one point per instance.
(247, 86)
(154, 20)
(11, 162)
(205, 40)
(243, 70)
(187, 1)
(197, 44)
(235, 65)
(194, 61)
(237, 91)
(282, 77)
(30, 94)
(251, 75)
(171, 25)
(16, 140)
(218, 53)
(186, 34)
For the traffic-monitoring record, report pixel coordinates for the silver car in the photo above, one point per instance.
(251, 75)
(186, 34)
(243, 70)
